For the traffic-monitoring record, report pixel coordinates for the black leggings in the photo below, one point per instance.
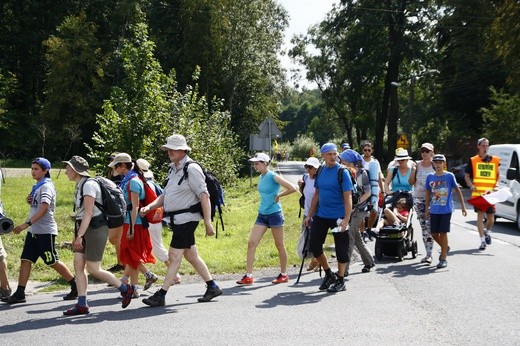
(319, 229)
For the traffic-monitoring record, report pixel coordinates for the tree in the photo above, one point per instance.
(502, 114)
(74, 85)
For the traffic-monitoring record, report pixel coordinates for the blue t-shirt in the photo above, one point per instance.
(441, 199)
(268, 189)
(330, 197)
(136, 185)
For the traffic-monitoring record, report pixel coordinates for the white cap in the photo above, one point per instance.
(144, 165)
(312, 161)
(260, 157)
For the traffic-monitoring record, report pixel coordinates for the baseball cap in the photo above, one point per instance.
(439, 157)
(260, 157)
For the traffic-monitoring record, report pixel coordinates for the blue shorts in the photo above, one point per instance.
(440, 223)
(271, 220)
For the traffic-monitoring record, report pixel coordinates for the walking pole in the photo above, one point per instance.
(304, 252)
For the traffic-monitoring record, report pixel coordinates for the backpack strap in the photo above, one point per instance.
(96, 203)
(395, 173)
(185, 170)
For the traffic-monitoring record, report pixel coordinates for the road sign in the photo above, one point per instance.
(402, 142)
(268, 129)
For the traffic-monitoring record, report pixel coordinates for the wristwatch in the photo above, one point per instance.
(28, 222)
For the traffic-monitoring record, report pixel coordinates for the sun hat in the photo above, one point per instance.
(401, 154)
(312, 161)
(120, 158)
(350, 155)
(428, 146)
(79, 165)
(44, 163)
(176, 142)
(325, 148)
(439, 157)
(144, 165)
(260, 157)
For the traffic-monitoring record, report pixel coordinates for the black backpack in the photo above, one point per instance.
(113, 206)
(302, 197)
(216, 193)
(356, 194)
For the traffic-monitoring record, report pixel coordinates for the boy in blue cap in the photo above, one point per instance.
(41, 238)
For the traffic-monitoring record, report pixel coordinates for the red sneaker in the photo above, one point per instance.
(76, 310)
(127, 296)
(281, 279)
(246, 280)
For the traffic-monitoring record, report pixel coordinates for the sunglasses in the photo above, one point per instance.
(426, 151)
(369, 150)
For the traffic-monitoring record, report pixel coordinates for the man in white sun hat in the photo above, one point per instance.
(186, 203)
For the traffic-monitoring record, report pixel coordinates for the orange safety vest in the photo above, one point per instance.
(485, 174)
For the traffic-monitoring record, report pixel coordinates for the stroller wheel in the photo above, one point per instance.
(401, 251)
(414, 249)
(379, 251)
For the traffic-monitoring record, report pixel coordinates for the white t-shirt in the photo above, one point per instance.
(422, 172)
(90, 188)
(308, 192)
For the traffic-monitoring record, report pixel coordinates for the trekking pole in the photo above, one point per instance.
(304, 252)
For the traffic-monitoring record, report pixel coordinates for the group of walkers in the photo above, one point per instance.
(338, 196)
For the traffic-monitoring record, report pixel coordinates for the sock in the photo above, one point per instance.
(72, 284)
(211, 284)
(148, 274)
(82, 301)
(328, 272)
(249, 275)
(340, 278)
(124, 279)
(123, 288)
(20, 290)
(482, 239)
(162, 293)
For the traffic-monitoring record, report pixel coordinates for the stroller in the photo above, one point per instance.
(396, 240)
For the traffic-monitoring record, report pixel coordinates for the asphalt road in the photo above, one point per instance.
(473, 301)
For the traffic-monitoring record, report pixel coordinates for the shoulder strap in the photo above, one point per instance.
(185, 170)
(395, 173)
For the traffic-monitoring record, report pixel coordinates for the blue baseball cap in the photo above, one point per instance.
(350, 155)
(44, 163)
(325, 148)
(345, 146)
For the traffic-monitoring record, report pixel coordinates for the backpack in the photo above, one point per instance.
(150, 195)
(216, 193)
(113, 204)
(302, 197)
(355, 190)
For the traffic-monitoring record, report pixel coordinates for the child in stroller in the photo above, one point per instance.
(394, 231)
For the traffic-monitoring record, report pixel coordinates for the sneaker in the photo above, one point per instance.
(210, 294)
(337, 286)
(281, 279)
(442, 264)
(327, 281)
(427, 259)
(488, 239)
(150, 281)
(16, 298)
(367, 268)
(155, 300)
(5, 293)
(136, 293)
(482, 246)
(127, 296)
(246, 280)
(76, 310)
(116, 268)
(72, 295)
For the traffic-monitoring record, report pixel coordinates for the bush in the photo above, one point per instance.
(303, 147)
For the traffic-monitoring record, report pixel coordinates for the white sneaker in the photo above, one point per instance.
(427, 259)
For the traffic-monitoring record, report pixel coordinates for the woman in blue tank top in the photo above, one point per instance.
(270, 215)
(404, 177)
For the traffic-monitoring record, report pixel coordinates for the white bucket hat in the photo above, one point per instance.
(176, 142)
(312, 161)
(401, 154)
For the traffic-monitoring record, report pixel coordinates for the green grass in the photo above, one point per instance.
(227, 254)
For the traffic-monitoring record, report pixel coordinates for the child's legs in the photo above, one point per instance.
(390, 217)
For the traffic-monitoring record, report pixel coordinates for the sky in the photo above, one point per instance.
(302, 15)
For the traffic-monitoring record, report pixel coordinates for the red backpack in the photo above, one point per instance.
(154, 215)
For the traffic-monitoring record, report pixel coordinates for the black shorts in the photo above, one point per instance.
(490, 210)
(183, 235)
(40, 245)
(440, 223)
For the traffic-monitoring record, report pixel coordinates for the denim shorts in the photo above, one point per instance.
(270, 220)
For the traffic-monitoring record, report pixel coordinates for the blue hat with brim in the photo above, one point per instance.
(325, 148)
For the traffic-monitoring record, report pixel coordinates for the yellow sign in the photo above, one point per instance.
(402, 142)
